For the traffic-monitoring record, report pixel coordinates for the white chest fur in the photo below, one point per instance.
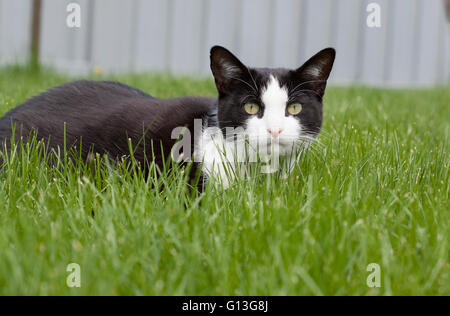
(225, 159)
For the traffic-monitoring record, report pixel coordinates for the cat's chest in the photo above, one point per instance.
(225, 158)
(217, 156)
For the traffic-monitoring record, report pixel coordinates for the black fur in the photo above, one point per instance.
(104, 115)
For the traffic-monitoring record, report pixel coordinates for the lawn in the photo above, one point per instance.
(374, 189)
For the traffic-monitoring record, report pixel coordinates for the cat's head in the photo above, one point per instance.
(277, 105)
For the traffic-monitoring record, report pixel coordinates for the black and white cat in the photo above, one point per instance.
(277, 110)
(262, 113)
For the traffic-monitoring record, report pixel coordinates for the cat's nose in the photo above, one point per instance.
(275, 132)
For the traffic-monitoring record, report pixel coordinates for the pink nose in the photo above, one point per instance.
(275, 132)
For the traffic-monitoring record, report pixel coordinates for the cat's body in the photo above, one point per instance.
(104, 116)
(277, 110)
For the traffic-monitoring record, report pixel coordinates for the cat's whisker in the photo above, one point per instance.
(305, 82)
(309, 90)
(253, 79)
(243, 81)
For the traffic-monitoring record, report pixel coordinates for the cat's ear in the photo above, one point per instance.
(317, 70)
(226, 68)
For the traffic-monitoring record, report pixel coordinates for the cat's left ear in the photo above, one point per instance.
(317, 70)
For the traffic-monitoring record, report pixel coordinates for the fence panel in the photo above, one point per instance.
(15, 31)
(411, 47)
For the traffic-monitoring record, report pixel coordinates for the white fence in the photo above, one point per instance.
(411, 48)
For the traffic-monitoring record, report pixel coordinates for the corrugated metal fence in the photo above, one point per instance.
(412, 46)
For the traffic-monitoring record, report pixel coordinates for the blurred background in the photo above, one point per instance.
(410, 49)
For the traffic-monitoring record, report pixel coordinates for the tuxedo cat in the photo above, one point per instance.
(262, 113)
(277, 111)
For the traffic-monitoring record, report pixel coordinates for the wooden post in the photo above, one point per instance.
(447, 8)
(35, 34)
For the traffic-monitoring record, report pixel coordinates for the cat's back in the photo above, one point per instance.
(100, 110)
(78, 100)
(77, 95)
(86, 99)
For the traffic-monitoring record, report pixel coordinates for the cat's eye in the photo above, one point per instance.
(294, 108)
(251, 108)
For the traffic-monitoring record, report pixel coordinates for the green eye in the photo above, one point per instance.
(294, 108)
(251, 108)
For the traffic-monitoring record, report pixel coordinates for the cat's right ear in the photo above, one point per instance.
(226, 68)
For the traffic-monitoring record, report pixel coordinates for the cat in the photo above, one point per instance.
(279, 110)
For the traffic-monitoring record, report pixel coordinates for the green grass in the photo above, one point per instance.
(376, 190)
